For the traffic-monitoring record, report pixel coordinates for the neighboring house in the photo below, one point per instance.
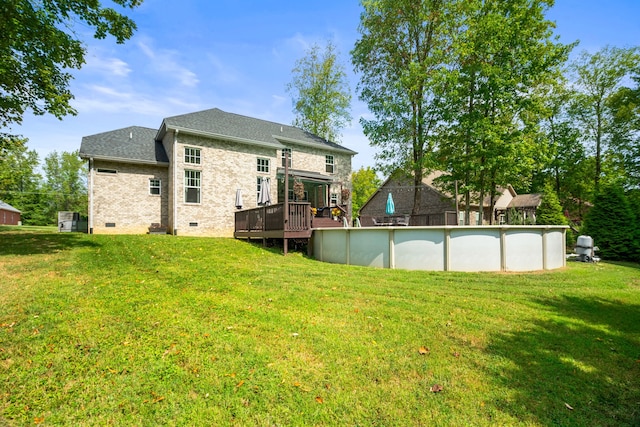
(8, 214)
(438, 207)
(185, 176)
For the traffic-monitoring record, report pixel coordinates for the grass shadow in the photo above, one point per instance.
(41, 243)
(580, 367)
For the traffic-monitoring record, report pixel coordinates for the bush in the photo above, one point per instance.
(550, 211)
(611, 224)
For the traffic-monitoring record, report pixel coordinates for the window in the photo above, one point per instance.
(286, 152)
(192, 186)
(192, 155)
(263, 165)
(334, 199)
(154, 186)
(461, 217)
(107, 171)
(329, 163)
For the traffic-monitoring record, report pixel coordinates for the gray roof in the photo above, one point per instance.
(218, 123)
(526, 201)
(132, 144)
(7, 207)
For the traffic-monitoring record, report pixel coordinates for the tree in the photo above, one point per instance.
(610, 223)
(563, 161)
(625, 139)
(364, 182)
(65, 185)
(504, 60)
(402, 58)
(38, 45)
(19, 182)
(321, 94)
(597, 78)
(550, 211)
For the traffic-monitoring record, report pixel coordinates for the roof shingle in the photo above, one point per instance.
(133, 143)
(216, 121)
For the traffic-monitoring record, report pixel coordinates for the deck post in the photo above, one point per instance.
(286, 200)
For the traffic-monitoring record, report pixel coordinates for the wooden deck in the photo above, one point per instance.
(268, 222)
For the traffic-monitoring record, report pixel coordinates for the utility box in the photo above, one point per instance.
(68, 221)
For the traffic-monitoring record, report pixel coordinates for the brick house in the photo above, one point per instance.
(8, 214)
(184, 177)
(438, 207)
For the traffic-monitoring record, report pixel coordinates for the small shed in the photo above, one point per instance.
(9, 215)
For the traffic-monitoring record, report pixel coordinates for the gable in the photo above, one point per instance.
(7, 207)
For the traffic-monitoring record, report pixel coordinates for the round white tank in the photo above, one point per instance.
(584, 245)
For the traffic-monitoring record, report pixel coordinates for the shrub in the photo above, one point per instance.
(610, 223)
(550, 211)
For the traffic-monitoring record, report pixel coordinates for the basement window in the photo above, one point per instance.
(110, 224)
(193, 224)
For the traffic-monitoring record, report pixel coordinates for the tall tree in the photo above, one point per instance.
(563, 161)
(321, 94)
(20, 184)
(364, 182)
(504, 58)
(65, 183)
(625, 139)
(402, 58)
(597, 78)
(38, 46)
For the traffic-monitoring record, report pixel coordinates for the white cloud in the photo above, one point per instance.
(278, 100)
(221, 71)
(300, 42)
(103, 99)
(168, 63)
(108, 66)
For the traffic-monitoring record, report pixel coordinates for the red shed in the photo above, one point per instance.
(8, 214)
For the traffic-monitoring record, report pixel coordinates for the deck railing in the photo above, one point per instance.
(271, 218)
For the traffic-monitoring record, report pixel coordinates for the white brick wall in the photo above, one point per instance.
(124, 198)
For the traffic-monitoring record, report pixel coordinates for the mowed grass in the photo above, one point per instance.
(162, 330)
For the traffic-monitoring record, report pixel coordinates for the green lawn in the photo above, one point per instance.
(162, 330)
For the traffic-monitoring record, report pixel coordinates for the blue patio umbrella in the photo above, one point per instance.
(390, 209)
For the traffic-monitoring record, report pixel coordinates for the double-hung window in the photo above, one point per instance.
(192, 155)
(286, 153)
(329, 163)
(263, 165)
(154, 186)
(191, 186)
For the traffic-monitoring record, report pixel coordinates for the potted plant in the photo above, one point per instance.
(335, 213)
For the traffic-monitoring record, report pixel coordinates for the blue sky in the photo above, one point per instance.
(237, 55)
